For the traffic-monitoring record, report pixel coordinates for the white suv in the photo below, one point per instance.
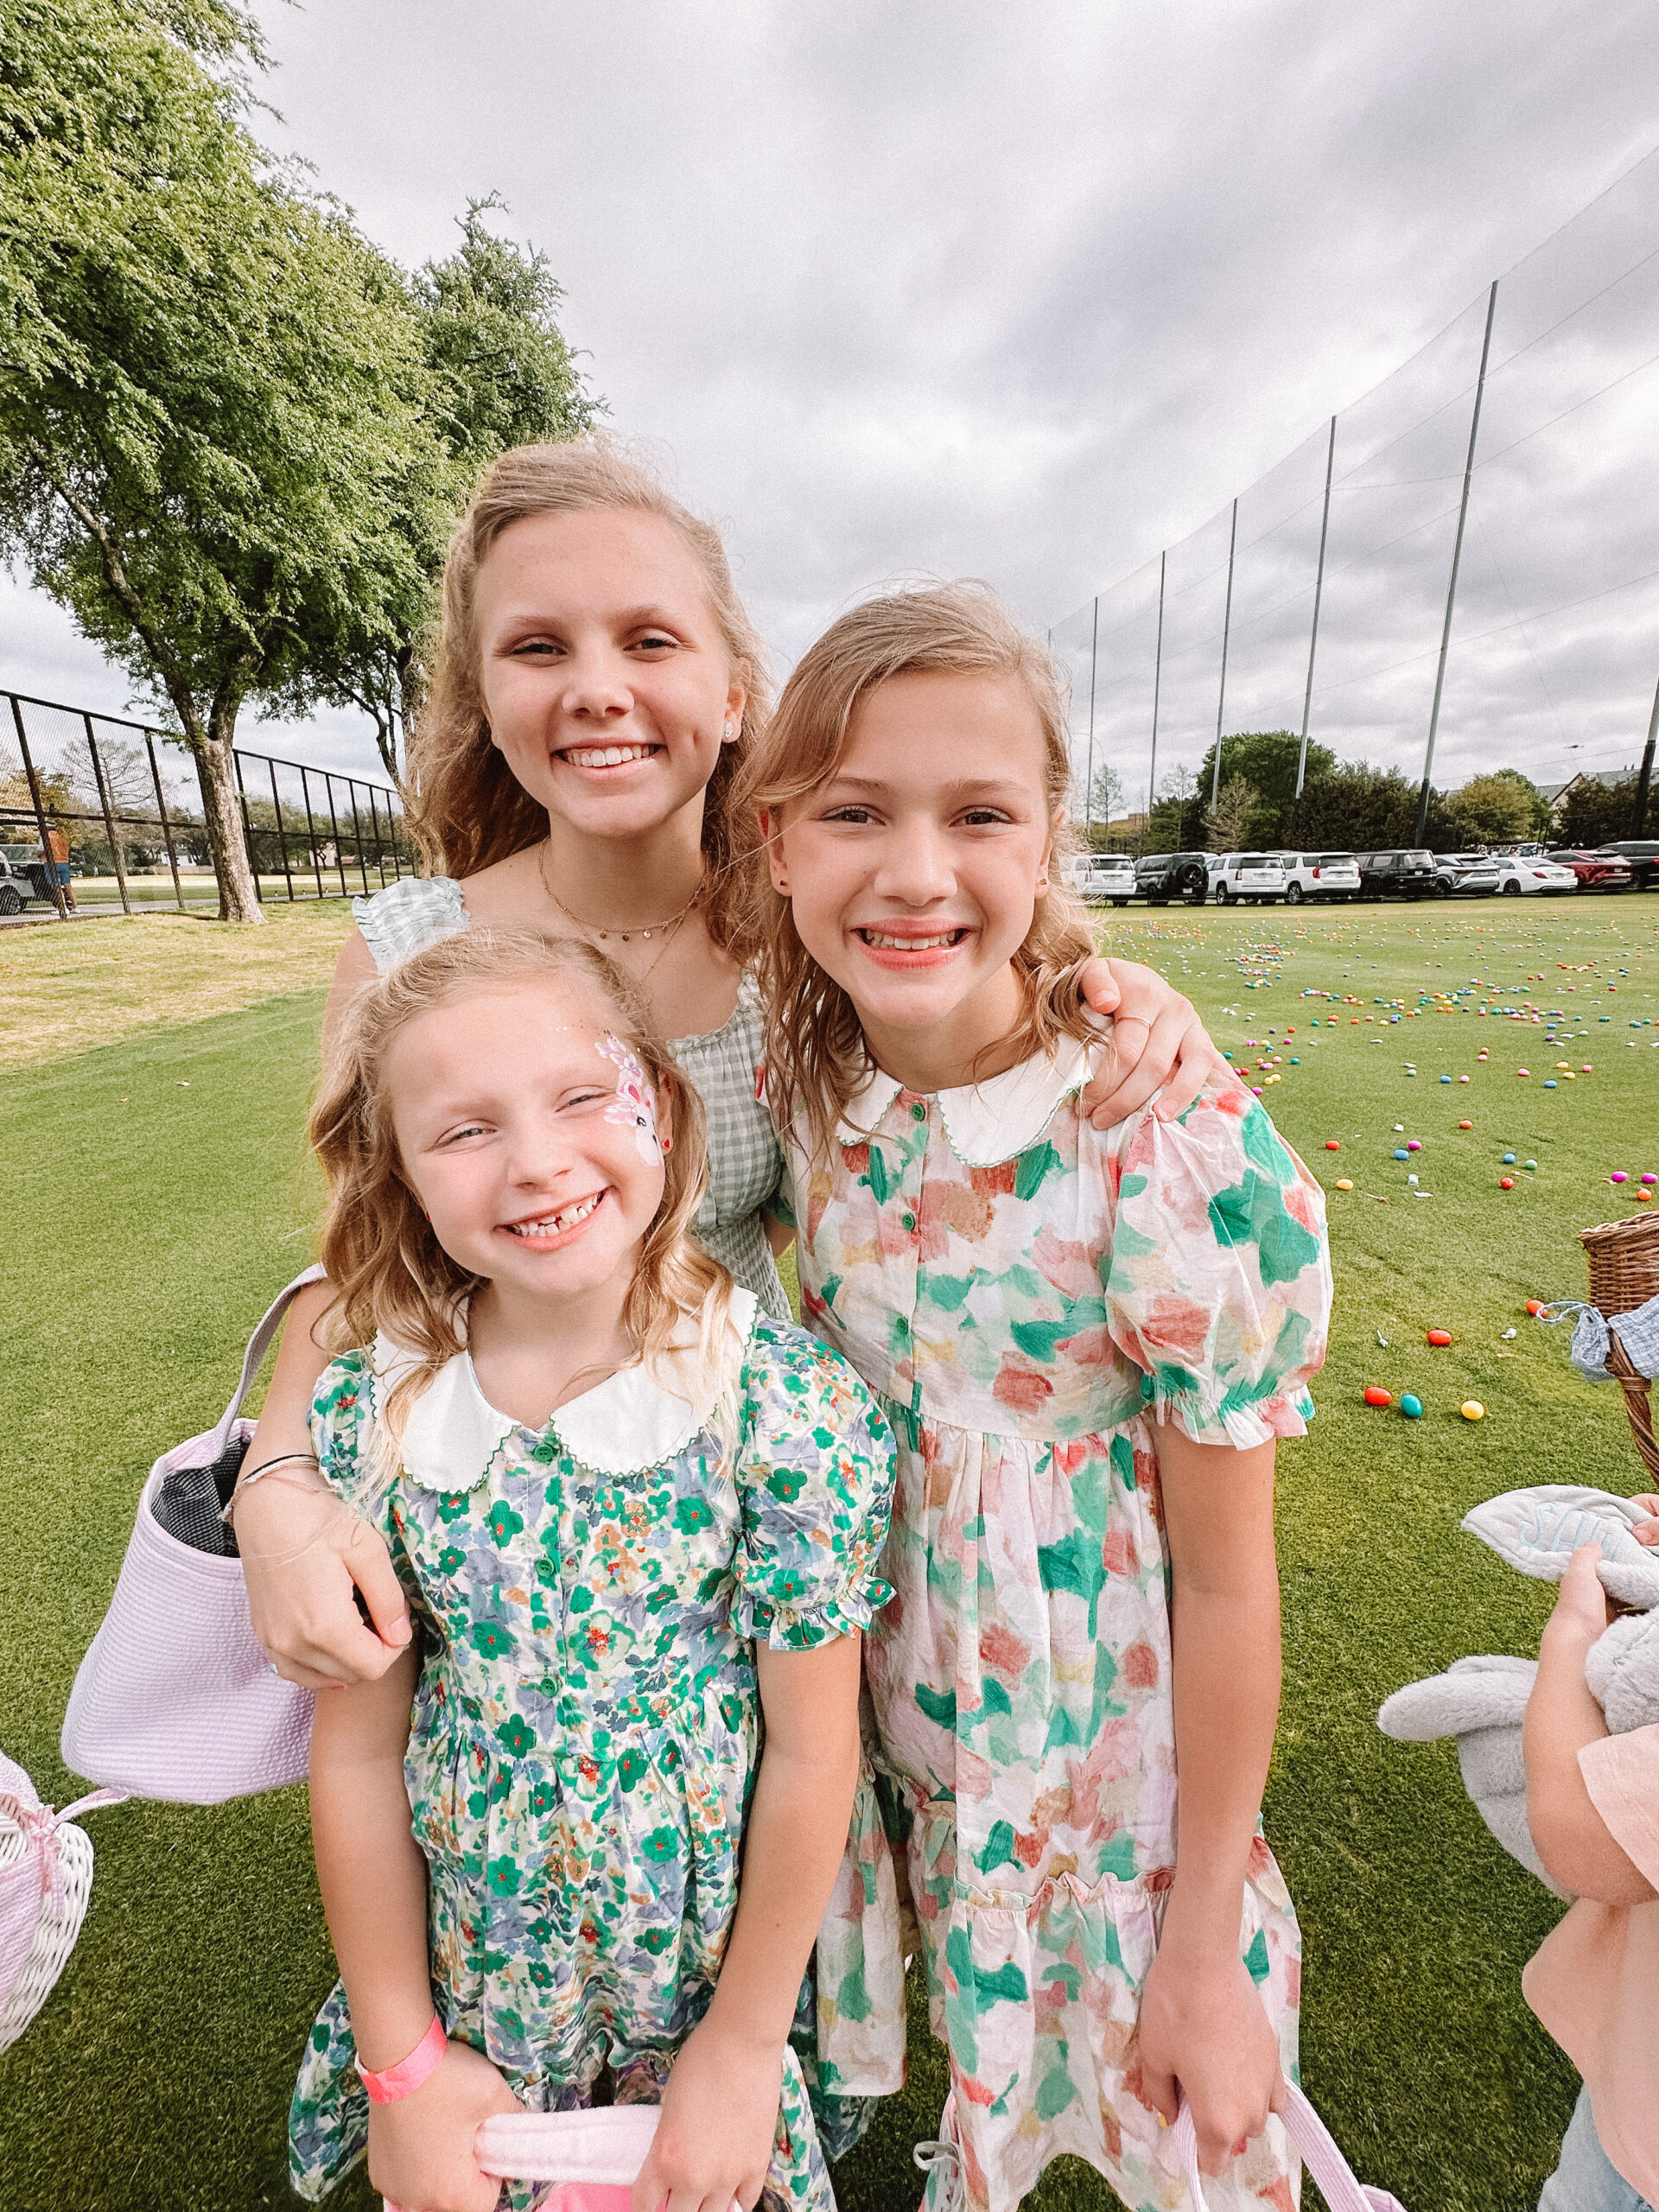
(1100, 876)
(1319, 875)
(1259, 876)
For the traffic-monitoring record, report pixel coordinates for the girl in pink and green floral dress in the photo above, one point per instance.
(1087, 1344)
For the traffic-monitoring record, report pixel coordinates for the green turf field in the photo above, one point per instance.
(155, 1192)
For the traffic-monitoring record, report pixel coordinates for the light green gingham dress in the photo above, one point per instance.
(745, 1160)
(587, 1726)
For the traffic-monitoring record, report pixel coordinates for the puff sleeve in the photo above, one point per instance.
(1218, 1280)
(343, 1415)
(815, 1473)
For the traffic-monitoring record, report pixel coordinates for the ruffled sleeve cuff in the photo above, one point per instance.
(783, 1625)
(1229, 1421)
(408, 916)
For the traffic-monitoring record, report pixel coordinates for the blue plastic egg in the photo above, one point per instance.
(1400, 1152)
(1412, 1408)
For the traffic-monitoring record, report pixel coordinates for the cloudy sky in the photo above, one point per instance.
(1030, 294)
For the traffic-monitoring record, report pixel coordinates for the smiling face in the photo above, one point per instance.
(607, 683)
(914, 871)
(528, 1135)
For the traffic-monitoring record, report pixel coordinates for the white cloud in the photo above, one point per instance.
(1027, 294)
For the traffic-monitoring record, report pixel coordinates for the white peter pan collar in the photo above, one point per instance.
(987, 1123)
(634, 1420)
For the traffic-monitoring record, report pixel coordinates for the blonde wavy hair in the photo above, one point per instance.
(815, 1053)
(389, 1271)
(466, 808)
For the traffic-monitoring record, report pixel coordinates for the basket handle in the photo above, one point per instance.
(258, 1344)
(1320, 2154)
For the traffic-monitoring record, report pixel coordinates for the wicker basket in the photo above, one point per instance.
(1624, 1273)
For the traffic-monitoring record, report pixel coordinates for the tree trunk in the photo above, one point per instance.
(239, 895)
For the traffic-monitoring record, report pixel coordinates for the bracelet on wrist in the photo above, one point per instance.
(389, 2084)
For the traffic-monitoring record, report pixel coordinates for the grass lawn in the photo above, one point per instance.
(156, 1192)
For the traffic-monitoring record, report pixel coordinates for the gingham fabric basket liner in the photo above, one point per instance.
(46, 1879)
(174, 1699)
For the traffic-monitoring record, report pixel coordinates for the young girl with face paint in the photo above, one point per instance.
(631, 1512)
(1086, 1344)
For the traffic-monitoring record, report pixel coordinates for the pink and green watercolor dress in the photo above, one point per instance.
(1028, 1298)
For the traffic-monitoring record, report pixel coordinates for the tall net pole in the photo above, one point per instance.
(1421, 830)
(1318, 593)
(1089, 786)
(1644, 781)
(1226, 632)
(1157, 686)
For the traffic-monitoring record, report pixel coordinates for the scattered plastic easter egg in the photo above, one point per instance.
(1440, 1336)
(1618, 1176)
(1509, 1160)
(1531, 1164)
(1534, 1306)
(1506, 1182)
(1465, 1125)
(1644, 1197)
(1400, 1152)
(1344, 1184)
(1472, 1409)
(1412, 1408)
(1413, 1144)
(1331, 1145)
(1463, 1078)
(1584, 1070)
(1446, 1078)
(1550, 1084)
(1374, 1396)
(1650, 1178)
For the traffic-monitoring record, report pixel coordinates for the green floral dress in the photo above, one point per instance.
(1030, 1299)
(585, 1730)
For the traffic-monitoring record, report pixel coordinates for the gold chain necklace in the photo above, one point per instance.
(666, 928)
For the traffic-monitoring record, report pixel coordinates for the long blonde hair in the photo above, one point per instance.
(815, 1053)
(389, 1271)
(466, 808)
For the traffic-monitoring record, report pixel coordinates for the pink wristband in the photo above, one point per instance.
(403, 2079)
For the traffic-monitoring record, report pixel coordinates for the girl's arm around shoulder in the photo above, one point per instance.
(1564, 1726)
(373, 1883)
(720, 2111)
(1159, 1043)
(303, 1555)
(1218, 1278)
(815, 1473)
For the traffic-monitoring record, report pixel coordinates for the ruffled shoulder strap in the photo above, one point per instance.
(408, 916)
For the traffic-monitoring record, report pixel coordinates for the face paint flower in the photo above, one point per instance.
(634, 1102)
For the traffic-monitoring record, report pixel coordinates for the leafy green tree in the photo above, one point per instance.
(211, 386)
(1502, 808)
(1596, 814)
(500, 374)
(1267, 759)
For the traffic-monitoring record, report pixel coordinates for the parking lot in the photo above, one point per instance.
(1399, 872)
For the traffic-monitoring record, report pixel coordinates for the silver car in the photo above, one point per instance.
(1475, 873)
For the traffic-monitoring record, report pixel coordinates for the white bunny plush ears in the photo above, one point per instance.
(1481, 1701)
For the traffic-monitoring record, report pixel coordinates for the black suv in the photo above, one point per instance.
(1160, 877)
(1403, 873)
(1642, 854)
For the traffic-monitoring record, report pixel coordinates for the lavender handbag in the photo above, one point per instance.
(174, 1699)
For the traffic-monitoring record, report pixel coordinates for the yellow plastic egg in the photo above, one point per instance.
(1344, 1183)
(1473, 1409)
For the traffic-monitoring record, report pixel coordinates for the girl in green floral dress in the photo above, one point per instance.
(1087, 1344)
(632, 1513)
